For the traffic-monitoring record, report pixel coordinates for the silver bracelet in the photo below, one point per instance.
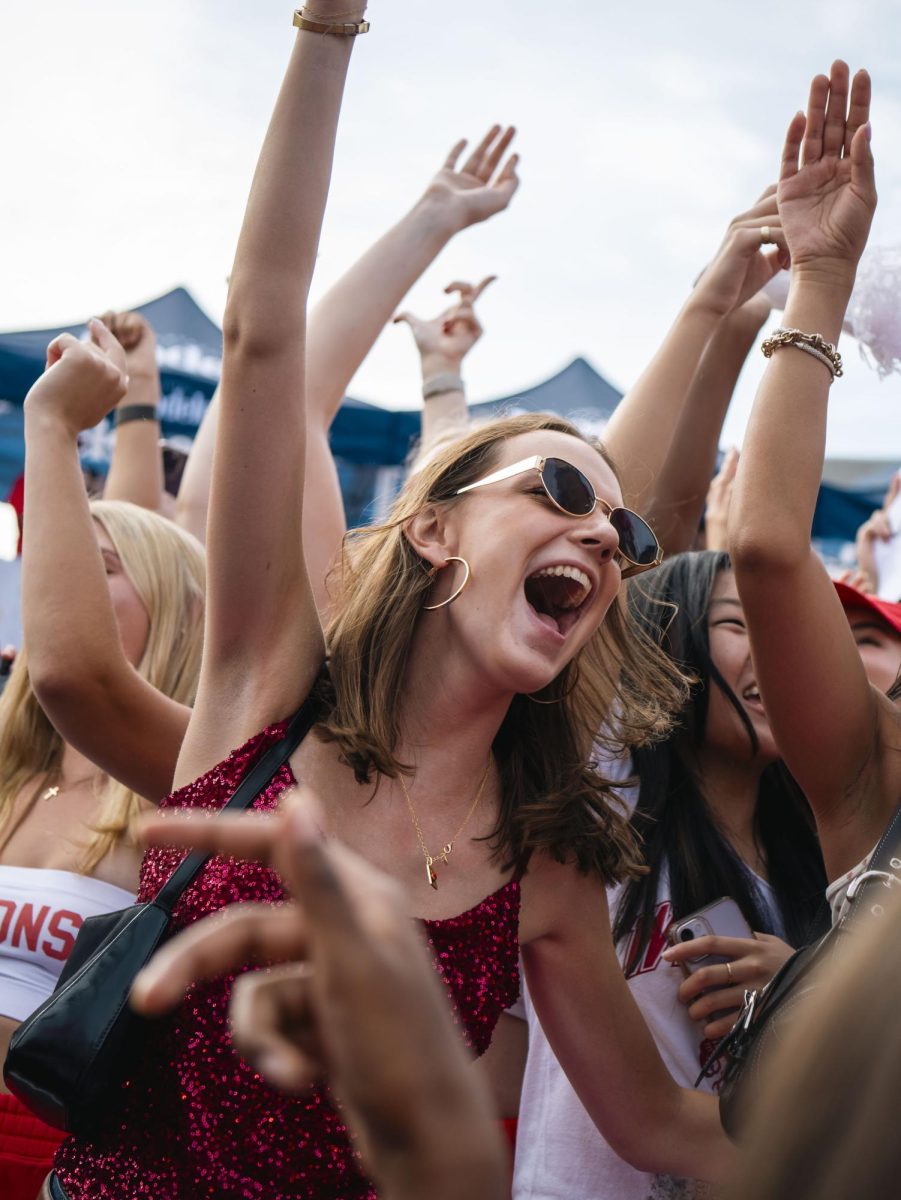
(824, 358)
(439, 385)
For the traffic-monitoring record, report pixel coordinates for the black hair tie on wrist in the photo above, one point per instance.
(135, 412)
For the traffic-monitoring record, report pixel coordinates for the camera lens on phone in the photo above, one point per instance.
(686, 935)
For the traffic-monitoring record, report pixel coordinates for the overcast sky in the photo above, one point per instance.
(131, 132)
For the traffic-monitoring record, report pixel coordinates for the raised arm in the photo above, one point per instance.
(345, 324)
(827, 719)
(678, 495)
(639, 435)
(263, 644)
(136, 467)
(443, 343)
(76, 661)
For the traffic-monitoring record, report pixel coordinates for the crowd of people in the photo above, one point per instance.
(595, 744)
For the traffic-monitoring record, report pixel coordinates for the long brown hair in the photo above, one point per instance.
(165, 564)
(620, 688)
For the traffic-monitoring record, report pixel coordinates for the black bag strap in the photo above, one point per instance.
(879, 869)
(244, 795)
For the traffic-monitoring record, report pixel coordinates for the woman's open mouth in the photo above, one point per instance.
(558, 596)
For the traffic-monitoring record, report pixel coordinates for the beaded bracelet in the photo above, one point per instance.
(811, 343)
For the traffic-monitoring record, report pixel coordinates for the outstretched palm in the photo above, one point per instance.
(470, 192)
(827, 202)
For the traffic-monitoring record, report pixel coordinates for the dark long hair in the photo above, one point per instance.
(672, 816)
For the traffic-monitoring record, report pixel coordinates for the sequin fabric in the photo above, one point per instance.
(194, 1120)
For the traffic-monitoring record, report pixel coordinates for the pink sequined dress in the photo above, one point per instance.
(194, 1120)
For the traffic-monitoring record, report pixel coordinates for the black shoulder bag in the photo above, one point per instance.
(66, 1059)
(765, 1021)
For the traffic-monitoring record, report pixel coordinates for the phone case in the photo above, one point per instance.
(723, 917)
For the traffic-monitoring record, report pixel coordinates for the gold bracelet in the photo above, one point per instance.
(339, 29)
(812, 343)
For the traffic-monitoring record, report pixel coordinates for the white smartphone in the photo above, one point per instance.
(723, 917)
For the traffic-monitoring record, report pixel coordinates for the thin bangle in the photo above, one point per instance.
(337, 28)
(135, 412)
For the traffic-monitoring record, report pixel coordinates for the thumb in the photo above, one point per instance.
(862, 169)
(101, 336)
(58, 347)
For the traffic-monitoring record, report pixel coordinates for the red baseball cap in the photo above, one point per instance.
(884, 609)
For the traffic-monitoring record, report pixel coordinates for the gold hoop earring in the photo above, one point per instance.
(454, 595)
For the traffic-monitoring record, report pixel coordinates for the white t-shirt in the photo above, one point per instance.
(41, 911)
(560, 1155)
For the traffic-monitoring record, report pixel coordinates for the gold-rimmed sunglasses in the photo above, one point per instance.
(572, 492)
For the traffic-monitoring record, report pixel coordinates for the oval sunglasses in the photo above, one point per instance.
(572, 492)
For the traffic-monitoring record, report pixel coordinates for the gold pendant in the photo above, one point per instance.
(430, 874)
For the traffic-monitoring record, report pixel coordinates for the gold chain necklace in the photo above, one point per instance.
(431, 859)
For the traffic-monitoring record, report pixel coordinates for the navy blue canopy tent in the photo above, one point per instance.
(366, 439)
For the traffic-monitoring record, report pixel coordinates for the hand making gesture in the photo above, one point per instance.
(445, 340)
(827, 200)
(470, 192)
(83, 380)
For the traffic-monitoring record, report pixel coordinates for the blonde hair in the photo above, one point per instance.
(166, 567)
(553, 797)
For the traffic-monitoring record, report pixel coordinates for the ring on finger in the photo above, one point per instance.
(728, 967)
(766, 237)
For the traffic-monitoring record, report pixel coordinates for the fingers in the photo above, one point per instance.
(273, 1025)
(702, 947)
(103, 338)
(235, 835)
(472, 164)
(836, 108)
(450, 163)
(812, 146)
(311, 872)
(893, 488)
(486, 156)
(791, 149)
(715, 1031)
(859, 107)
(496, 154)
(219, 945)
(726, 999)
(489, 279)
(58, 347)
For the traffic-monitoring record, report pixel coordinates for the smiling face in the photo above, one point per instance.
(730, 651)
(542, 580)
(878, 644)
(131, 616)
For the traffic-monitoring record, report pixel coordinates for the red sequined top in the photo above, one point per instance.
(196, 1121)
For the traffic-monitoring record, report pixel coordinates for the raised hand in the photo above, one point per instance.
(827, 199)
(445, 340)
(473, 192)
(719, 497)
(744, 264)
(135, 335)
(83, 381)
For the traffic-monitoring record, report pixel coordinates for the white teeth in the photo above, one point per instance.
(569, 573)
(751, 694)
